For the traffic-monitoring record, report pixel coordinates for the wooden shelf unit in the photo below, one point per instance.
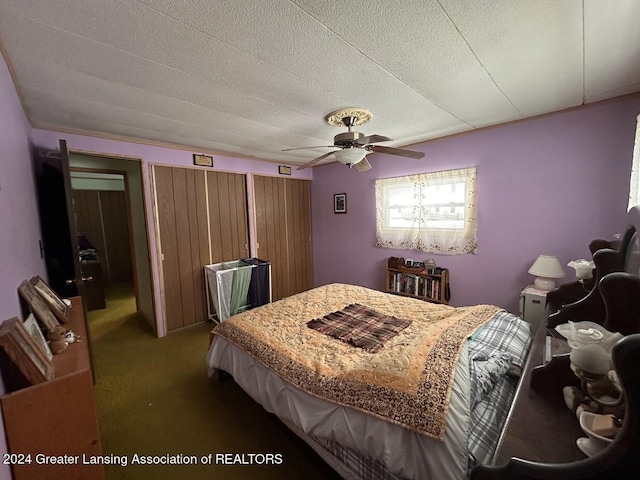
(58, 417)
(417, 283)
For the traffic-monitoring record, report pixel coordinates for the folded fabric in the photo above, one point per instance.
(487, 370)
(360, 326)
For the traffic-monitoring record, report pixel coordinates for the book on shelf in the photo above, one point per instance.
(415, 285)
(427, 284)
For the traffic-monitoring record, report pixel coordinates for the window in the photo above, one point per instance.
(634, 184)
(433, 212)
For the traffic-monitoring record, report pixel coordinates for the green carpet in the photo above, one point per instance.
(154, 399)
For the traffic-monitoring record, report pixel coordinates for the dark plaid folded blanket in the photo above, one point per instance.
(360, 326)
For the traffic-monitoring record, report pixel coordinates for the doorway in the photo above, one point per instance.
(111, 222)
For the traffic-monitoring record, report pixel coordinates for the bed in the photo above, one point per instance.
(413, 390)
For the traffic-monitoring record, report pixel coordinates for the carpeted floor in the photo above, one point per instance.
(154, 399)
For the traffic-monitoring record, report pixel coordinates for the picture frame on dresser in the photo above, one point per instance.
(24, 352)
(33, 327)
(37, 305)
(56, 304)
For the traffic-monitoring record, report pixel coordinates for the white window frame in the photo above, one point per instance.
(452, 235)
(634, 182)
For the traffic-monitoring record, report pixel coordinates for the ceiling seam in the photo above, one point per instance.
(152, 142)
(155, 115)
(255, 155)
(380, 66)
(220, 150)
(247, 53)
(170, 97)
(353, 47)
(251, 54)
(178, 69)
(33, 125)
(478, 59)
(173, 98)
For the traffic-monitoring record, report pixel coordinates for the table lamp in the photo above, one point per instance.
(546, 268)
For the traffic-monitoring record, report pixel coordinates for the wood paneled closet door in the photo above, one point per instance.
(283, 232)
(198, 213)
(229, 229)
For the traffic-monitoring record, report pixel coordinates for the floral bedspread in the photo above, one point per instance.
(408, 382)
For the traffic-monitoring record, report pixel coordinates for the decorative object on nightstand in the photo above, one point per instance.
(584, 268)
(546, 268)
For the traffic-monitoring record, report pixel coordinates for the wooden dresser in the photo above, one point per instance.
(56, 420)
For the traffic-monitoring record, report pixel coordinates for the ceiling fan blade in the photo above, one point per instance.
(316, 160)
(372, 139)
(304, 148)
(396, 151)
(363, 165)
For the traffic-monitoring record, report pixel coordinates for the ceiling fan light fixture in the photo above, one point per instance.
(350, 156)
(354, 146)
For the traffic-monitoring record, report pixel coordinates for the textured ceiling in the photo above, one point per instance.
(253, 77)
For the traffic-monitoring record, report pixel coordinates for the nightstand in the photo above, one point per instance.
(532, 306)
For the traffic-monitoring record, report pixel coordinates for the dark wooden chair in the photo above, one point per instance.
(621, 294)
(571, 292)
(621, 459)
(576, 301)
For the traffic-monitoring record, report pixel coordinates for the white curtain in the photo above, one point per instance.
(433, 212)
(634, 187)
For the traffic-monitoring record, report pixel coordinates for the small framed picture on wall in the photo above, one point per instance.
(284, 170)
(340, 203)
(203, 160)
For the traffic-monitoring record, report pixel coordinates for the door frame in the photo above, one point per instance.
(144, 194)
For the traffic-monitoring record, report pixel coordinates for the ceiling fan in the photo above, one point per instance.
(354, 146)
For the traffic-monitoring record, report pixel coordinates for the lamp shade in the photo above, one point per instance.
(546, 268)
(350, 156)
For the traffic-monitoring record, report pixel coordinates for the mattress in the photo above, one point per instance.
(403, 453)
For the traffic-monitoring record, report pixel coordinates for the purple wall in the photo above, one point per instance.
(149, 154)
(19, 248)
(545, 185)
